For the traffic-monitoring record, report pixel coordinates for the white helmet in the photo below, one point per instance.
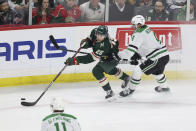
(57, 104)
(138, 19)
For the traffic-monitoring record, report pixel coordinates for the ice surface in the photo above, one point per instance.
(145, 110)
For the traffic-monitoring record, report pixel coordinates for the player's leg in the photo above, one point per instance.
(134, 82)
(118, 73)
(103, 82)
(147, 67)
(160, 76)
(111, 69)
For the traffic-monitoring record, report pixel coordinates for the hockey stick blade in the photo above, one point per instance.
(24, 103)
(54, 41)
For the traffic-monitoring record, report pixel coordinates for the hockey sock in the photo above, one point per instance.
(120, 74)
(124, 75)
(134, 83)
(106, 87)
(161, 79)
(105, 84)
(136, 77)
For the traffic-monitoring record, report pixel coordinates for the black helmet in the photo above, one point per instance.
(102, 29)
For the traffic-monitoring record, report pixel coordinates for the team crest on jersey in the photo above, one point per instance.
(102, 45)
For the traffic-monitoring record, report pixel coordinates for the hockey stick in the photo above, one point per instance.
(52, 39)
(25, 103)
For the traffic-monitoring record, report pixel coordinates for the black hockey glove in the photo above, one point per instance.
(126, 61)
(84, 41)
(72, 61)
(136, 56)
(134, 62)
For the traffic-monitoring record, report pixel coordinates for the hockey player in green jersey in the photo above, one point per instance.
(105, 50)
(145, 44)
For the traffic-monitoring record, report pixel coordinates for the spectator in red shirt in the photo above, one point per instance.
(42, 14)
(73, 11)
(59, 14)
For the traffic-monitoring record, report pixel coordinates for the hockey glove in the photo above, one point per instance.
(134, 62)
(83, 42)
(136, 56)
(72, 61)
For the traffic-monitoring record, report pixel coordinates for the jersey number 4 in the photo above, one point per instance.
(57, 126)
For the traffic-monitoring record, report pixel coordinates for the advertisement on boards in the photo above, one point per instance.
(32, 53)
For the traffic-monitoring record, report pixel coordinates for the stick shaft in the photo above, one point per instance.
(51, 83)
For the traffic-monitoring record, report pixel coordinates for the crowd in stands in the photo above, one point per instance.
(71, 11)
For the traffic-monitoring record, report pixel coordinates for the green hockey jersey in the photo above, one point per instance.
(104, 50)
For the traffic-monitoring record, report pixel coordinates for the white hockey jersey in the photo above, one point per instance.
(145, 43)
(60, 122)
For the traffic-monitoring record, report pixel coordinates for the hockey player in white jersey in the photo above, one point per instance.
(58, 120)
(145, 44)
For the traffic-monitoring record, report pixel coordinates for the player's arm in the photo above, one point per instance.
(88, 42)
(79, 59)
(131, 52)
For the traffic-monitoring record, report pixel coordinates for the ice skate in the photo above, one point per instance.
(110, 96)
(125, 82)
(126, 92)
(161, 89)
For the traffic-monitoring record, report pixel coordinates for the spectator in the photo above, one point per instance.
(80, 2)
(121, 11)
(143, 8)
(59, 14)
(132, 2)
(92, 11)
(146, 3)
(163, 1)
(194, 3)
(73, 11)
(158, 13)
(42, 14)
(182, 13)
(9, 16)
(22, 7)
(174, 7)
(19, 4)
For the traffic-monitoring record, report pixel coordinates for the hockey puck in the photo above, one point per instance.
(23, 99)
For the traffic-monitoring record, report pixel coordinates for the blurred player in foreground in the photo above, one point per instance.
(58, 120)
